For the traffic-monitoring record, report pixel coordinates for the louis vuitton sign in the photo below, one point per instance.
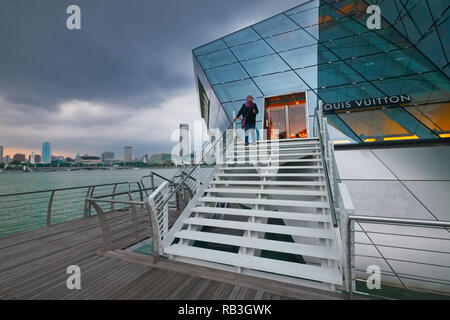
(369, 102)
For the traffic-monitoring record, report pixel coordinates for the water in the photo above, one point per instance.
(15, 182)
(25, 212)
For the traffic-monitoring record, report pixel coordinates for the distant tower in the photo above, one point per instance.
(184, 142)
(46, 152)
(1, 154)
(32, 158)
(127, 154)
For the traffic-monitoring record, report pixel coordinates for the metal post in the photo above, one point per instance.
(49, 209)
(349, 274)
(107, 242)
(113, 197)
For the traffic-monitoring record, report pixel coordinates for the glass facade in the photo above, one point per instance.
(323, 48)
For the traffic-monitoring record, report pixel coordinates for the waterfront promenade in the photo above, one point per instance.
(33, 266)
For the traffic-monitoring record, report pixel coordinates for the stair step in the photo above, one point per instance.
(269, 191)
(262, 227)
(271, 150)
(271, 168)
(296, 140)
(269, 183)
(316, 251)
(266, 214)
(230, 175)
(317, 273)
(288, 160)
(268, 202)
(267, 156)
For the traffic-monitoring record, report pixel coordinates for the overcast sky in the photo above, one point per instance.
(125, 78)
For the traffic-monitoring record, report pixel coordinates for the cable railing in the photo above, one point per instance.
(412, 256)
(25, 211)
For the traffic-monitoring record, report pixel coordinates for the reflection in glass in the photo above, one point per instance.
(434, 116)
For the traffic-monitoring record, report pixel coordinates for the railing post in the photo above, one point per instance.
(87, 204)
(349, 269)
(106, 234)
(49, 209)
(113, 197)
(156, 235)
(133, 213)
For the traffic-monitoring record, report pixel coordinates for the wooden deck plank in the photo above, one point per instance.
(33, 266)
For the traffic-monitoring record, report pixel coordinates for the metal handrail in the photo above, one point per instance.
(399, 222)
(325, 169)
(64, 189)
(62, 204)
(412, 222)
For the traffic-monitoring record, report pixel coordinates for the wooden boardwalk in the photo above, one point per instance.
(33, 266)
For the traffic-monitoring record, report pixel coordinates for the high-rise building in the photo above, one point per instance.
(107, 156)
(1, 154)
(128, 154)
(46, 152)
(37, 158)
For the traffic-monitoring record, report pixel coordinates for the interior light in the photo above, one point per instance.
(401, 138)
(370, 140)
(341, 141)
(444, 135)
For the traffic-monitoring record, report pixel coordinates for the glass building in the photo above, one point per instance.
(378, 85)
(46, 152)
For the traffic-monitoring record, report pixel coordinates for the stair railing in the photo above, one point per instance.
(341, 205)
(186, 182)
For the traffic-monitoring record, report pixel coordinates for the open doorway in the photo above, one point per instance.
(285, 116)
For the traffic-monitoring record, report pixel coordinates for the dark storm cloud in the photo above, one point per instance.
(129, 54)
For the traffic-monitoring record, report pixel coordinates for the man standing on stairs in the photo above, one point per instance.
(249, 110)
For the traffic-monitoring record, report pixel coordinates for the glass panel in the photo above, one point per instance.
(424, 88)
(308, 75)
(237, 90)
(277, 121)
(384, 125)
(242, 36)
(373, 124)
(337, 73)
(338, 130)
(349, 92)
(305, 6)
(306, 18)
(291, 40)
(265, 65)
(226, 73)
(396, 63)
(300, 58)
(286, 82)
(275, 25)
(216, 59)
(430, 46)
(213, 46)
(434, 116)
(340, 28)
(297, 121)
(252, 50)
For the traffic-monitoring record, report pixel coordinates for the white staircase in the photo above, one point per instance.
(264, 213)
